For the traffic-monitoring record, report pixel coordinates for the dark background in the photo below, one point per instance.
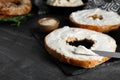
(22, 57)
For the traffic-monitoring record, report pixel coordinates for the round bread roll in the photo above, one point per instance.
(74, 46)
(96, 19)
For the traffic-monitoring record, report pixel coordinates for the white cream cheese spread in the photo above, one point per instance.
(48, 21)
(65, 3)
(96, 17)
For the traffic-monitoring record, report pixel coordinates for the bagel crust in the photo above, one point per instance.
(75, 62)
(66, 54)
(109, 20)
(15, 7)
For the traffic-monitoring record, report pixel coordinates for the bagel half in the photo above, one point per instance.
(95, 19)
(57, 44)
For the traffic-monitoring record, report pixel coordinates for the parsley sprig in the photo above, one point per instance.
(17, 20)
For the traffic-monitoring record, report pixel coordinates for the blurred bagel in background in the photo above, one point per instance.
(15, 7)
(95, 19)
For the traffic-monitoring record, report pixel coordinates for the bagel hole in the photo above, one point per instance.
(68, 0)
(87, 43)
(18, 2)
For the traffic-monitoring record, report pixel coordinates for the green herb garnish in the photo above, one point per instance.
(17, 20)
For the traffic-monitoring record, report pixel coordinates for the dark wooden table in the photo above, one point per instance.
(22, 57)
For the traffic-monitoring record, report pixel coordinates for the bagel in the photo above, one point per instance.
(66, 44)
(14, 11)
(15, 7)
(95, 19)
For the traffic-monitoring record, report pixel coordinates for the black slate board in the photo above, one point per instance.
(70, 70)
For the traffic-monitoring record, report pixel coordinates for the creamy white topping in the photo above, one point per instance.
(83, 17)
(47, 21)
(56, 40)
(65, 3)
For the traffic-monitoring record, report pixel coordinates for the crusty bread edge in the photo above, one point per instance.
(75, 62)
(9, 12)
(106, 28)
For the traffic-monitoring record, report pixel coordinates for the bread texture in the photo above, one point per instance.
(96, 23)
(75, 59)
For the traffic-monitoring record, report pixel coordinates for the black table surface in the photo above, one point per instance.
(22, 57)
